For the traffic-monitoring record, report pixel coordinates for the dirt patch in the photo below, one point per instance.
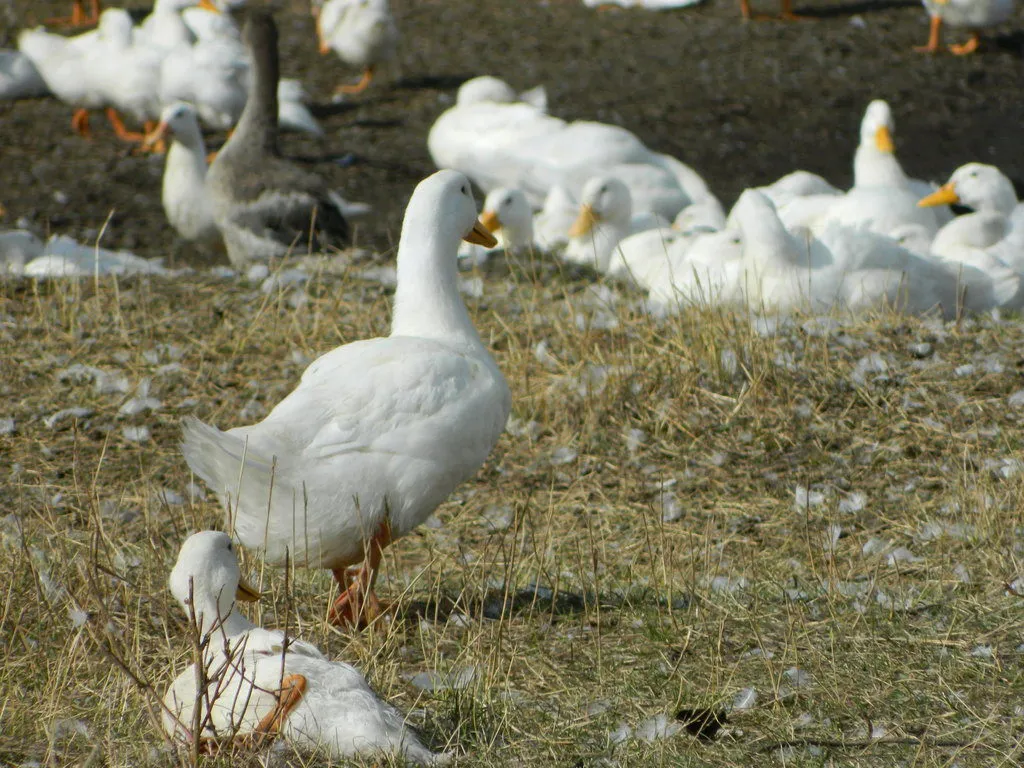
(742, 102)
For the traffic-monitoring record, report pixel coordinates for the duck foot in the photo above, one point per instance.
(80, 123)
(359, 87)
(966, 48)
(358, 606)
(934, 30)
(78, 17)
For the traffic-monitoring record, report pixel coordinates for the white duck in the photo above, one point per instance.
(378, 432)
(19, 78)
(639, 258)
(363, 34)
(519, 145)
(164, 29)
(605, 217)
(65, 64)
(126, 75)
(706, 272)
(184, 196)
(262, 684)
(997, 224)
(213, 75)
(782, 272)
(883, 197)
(552, 223)
(970, 14)
(507, 216)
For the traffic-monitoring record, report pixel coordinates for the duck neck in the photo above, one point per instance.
(874, 168)
(211, 623)
(427, 301)
(257, 127)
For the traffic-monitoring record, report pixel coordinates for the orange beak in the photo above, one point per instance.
(490, 220)
(246, 593)
(883, 140)
(944, 195)
(158, 133)
(480, 235)
(584, 222)
(207, 5)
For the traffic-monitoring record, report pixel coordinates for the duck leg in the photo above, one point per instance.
(119, 128)
(292, 689)
(359, 87)
(786, 13)
(357, 605)
(934, 31)
(80, 123)
(969, 47)
(78, 17)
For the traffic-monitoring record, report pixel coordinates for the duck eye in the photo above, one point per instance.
(231, 546)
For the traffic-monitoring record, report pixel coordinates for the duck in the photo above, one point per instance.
(996, 224)
(378, 432)
(637, 258)
(970, 14)
(605, 217)
(883, 197)
(19, 78)
(706, 271)
(127, 75)
(184, 195)
(164, 29)
(517, 144)
(262, 684)
(508, 217)
(213, 75)
(362, 32)
(65, 65)
(552, 223)
(263, 204)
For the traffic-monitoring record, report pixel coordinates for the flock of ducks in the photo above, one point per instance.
(607, 201)
(347, 464)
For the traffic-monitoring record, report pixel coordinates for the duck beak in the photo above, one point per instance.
(584, 222)
(158, 133)
(883, 141)
(207, 5)
(481, 235)
(944, 195)
(246, 593)
(490, 220)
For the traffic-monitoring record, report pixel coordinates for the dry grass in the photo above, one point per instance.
(552, 574)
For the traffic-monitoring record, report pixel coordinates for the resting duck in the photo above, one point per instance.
(262, 684)
(263, 204)
(378, 432)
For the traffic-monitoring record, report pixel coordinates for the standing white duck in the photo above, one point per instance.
(970, 14)
(261, 684)
(363, 34)
(378, 432)
(184, 194)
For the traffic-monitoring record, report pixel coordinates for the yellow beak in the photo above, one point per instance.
(584, 222)
(246, 593)
(207, 5)
(883, 140)
(158, 133)
(481, 235)
(490, 220)
(944, 195)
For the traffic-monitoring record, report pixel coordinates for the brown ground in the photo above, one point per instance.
(741, 102)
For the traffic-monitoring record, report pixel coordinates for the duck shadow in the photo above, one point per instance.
(496, 604)
(859, 8)
(430, 82)
(1011, 42)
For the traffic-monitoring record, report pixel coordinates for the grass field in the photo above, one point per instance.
(816, 533)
